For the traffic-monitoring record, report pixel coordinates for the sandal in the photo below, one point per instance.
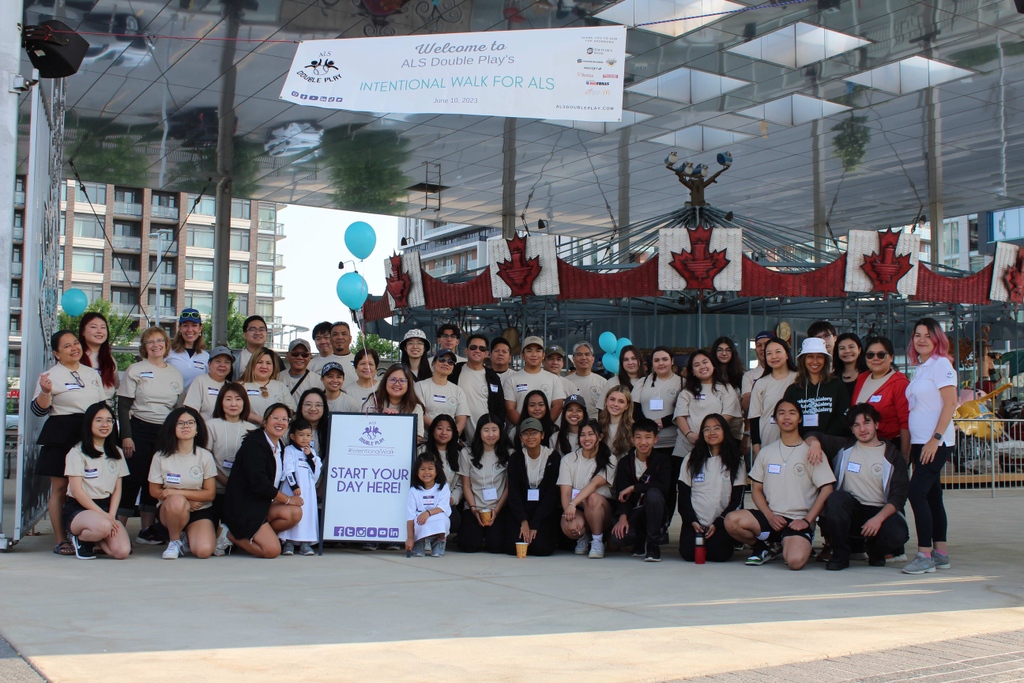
(64, 548)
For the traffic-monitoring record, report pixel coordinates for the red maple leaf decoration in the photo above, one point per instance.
(519, 272)
(700, 265)
(1013, 278)
(399, 283)
(884, 267)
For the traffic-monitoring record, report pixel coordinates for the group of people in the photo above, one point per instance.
(225, 448)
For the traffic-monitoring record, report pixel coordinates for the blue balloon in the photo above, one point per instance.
(607, 342)
(621, 344)
(74, 302)
(360, 239)
(352, 290)
(610, 362)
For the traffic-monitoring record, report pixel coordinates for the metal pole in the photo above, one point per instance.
(508, 181)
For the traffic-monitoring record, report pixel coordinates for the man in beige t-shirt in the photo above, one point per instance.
(592, 387)
(531, 377)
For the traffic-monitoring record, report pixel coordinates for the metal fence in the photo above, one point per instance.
(989, 454)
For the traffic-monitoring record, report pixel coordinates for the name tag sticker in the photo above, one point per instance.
(771, 419)
(428, 501)
(575, 492)
(810, 419)
(199, 365)
(92, 474)
(699, 478)
(438, 398)
(775, 468)
(490, 494)
(495, 388)
(253, 392)
(172, 478)
(853, 467)
(71, 386)
(227, 464)
(657, 404)
(700, 397)
(875, 399)
(533, 495)
(146, 375)
(520, 388)
(212, 392)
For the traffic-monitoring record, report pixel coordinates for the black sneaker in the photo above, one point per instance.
(653, 553)
(83, 549)
(876, 560)
(150, 536)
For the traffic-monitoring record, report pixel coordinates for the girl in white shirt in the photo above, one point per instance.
(428, 507)
(442, 444)
(617, 420)
(484, 477)
(574, 415)
(583, 477)
(227, 428)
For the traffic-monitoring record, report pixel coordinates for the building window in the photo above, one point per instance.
(242, 304)
(238, 273)
(125, 297)
(972, 233)
(239, 240)
(93, 290)
(265, 248)
(264, 281)
(123, 229)
(268, 213)
(16, 256)
(265, 308)
(88, 226)
(127, 263)
(199, 269)
(16, 328)
(88, 261)
(127, 196)
(167, 265)
(201, 301)
(93, 192)
(200, 236)
(240, 208)
(166, 201)
(166, 299)
(15, 289)
(207, 205)
(19, 219)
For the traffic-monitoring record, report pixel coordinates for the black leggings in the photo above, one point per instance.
(137, 481)
(673, 487)
(473, 538)
(926, 496)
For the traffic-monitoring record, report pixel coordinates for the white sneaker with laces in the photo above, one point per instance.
(582, 543)
(173, 550)
(596, 549)
(223, 544)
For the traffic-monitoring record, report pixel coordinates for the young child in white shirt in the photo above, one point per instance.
(300, 471)
(428, 508)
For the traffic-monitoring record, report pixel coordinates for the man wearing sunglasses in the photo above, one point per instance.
(482, 385)
(254, 329)
(299, 377)
(439, 396)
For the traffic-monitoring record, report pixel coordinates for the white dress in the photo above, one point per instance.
(296, 474)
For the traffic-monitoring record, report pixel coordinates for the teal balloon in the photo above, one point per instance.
(607, 342)
(610, 362)
(352, 290)
(74, 302)
(621, 344)
(360, 239)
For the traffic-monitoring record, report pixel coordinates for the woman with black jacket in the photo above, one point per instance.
(255, 510)
(533, 497)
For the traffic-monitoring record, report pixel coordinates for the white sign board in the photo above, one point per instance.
(370, 460)
(566, 73)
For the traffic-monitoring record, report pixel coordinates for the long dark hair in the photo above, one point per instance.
(728, 373)
(108, 366)
(451, 454)
(502, 449)
(790, 363)
(624, 378)
(690, 380)
(409, 401)
(729, 451)
(110, 448)
(439, 477)
(321, 426)
(562, 442)
(546, 421)
(604, 454)
(218, 406)
(838, 366)
(167, 440)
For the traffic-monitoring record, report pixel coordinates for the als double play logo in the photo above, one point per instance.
(371, 436)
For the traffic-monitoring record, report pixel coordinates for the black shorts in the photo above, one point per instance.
(72, 508)
(769, 535)
(206, 513)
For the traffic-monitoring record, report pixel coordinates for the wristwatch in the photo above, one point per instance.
(937, 436)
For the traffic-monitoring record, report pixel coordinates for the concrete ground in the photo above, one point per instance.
(352, 615)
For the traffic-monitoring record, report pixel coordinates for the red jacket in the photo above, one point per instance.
(890, 400)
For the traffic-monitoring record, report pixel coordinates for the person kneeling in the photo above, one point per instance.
(711, 484)
(789, 494)
(642, 480)
(872, 485)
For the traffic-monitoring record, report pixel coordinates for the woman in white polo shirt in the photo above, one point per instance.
(187, 353)
(932, 397)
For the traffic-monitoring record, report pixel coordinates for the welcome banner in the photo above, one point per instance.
(569, 73)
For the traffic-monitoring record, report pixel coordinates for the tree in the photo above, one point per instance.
(121, 329)
(236, 338)
(385, 348)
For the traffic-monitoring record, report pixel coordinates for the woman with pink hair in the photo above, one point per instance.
(931, 395)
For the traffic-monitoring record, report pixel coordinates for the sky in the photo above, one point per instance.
(314, 243)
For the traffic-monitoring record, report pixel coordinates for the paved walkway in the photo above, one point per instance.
(380, 616)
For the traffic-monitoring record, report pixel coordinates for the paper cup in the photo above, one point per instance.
(485, 515)
(521, 549)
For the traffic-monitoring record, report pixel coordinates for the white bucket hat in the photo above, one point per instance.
(814, 345)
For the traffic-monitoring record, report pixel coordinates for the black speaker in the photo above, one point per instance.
(54, 48)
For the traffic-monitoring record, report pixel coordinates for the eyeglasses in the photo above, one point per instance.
(474, 347)
(398, 381)
(712, 430)
(824, 335)
(78, 379)
(445, 360)
(723, 349)
(313, 406)
(875, 354)
(299, 354)
(257, 330)
(105, 421)
(155, 342)
(187, 423)
(448, 336)
(190, 315)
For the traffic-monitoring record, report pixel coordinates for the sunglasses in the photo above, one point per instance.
(875, 354)
(474, 347)
(447, 360)
(78, 379)
(190, 315)
(264, 392)
(299, 354)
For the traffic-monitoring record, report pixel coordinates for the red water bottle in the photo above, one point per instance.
(699, 551)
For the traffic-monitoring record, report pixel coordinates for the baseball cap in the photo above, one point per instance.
(190, 315)
(534, 341)
(446, 352)
(299, 342)
(221, 351)
(578, 400)
(530, 423)
(764, 334)
(332, 366)
(553, 349)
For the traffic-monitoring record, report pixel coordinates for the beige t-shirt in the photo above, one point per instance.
(870, 386)
(749, 377)
(310, 381)
(202, 395)
(576, 471)
(99, 475)
(658, 399)
(711, 490)
(766, 393)
(572, 437)
(790, 483)
(519, 384)
(184, 471)
(863, 475)
(447, 399)
(718, 398)
(488, 482)
(155, 390)
(277, 392)
(225, 440)
(68, 396)
(535, 466)
(360, 394)
(475, 386)
(343, 404)
(592, 388)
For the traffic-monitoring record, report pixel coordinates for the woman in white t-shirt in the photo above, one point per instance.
(227, 428)
(94, 334)
(365, 385)
(442, 444)
(574, 415)
(767, 391)
(94, 470)
(262, 385)
(584, 478)
(202, 393)
(932, 397)
(631, 368)
(188, 353)
(616, 420)
(655, 398)
(183, 479)
(483, 467)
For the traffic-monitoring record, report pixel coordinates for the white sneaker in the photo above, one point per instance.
(582, 543)
(183, 541)
(596, 549)
(223, 544)
(173, 550)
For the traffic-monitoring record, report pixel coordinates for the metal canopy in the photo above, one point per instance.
(143, 112)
